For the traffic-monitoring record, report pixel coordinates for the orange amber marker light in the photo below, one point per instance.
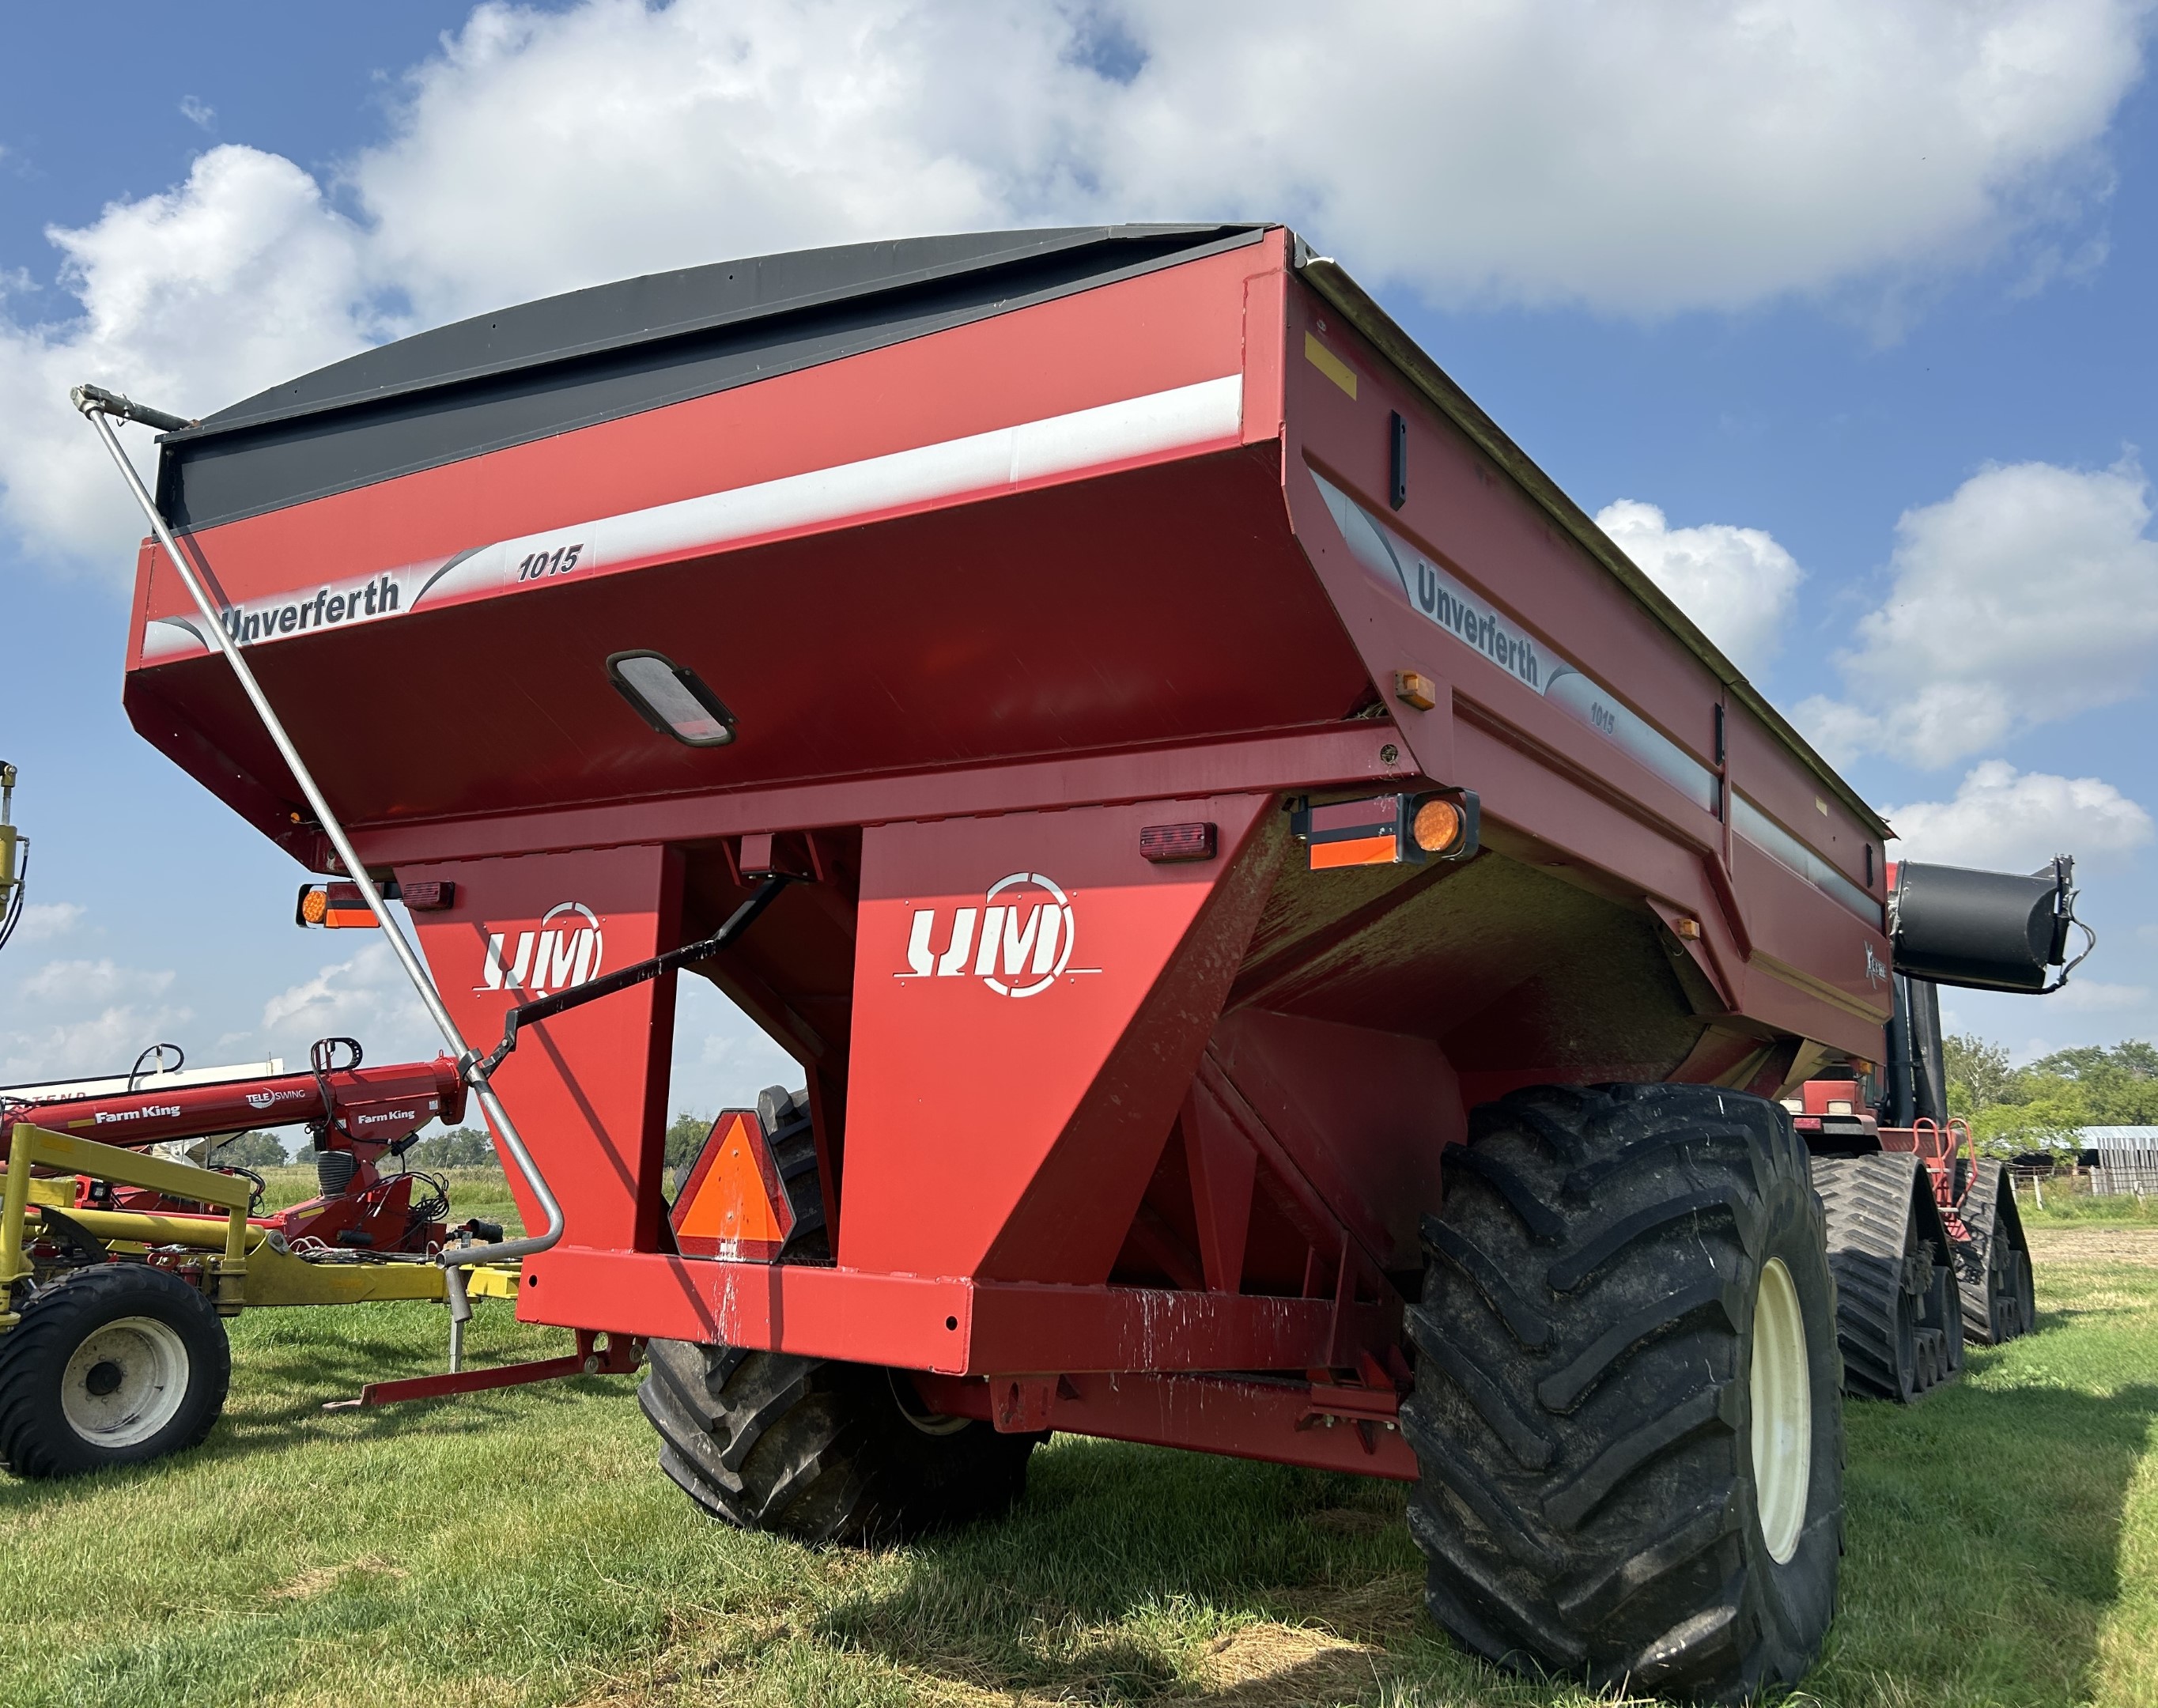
(1412, 687)
(1437, 826)
(314, 906)
(1689, 929)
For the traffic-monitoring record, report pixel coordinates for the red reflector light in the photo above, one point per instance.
(1366, 832)
(1388, 830)
(433, 895)
(1163, 844)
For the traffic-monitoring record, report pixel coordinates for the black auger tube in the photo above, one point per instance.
(639, 972)
(1982, 930)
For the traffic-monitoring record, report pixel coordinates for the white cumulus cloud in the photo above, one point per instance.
(1737, 583)
(364, 996)
(2029, 594)
(2093, 996)
(1642, 159)
(70, 1017)
(44, 921)
(2002, 819)
(239, 277)
(722, 1059)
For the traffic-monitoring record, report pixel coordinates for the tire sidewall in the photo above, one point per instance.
(1797, 1598)
(88, 1303)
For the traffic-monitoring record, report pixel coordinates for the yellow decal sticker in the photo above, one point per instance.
(1331, 365)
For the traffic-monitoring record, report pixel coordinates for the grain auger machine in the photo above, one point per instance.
(120, 1261)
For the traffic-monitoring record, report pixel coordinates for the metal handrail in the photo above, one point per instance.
(98, 407)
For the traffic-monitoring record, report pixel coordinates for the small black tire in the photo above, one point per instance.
(821, 1450)
(1623, 1282)
(116, 1364)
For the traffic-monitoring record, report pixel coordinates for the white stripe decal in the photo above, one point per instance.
(1182, 420)
(1758, 828)
(1437, 596)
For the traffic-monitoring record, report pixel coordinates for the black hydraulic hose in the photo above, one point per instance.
(637, 972)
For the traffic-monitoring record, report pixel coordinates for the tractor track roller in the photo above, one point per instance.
(1627, 1409)
(1993, 1264)
(812, 1448)
(1898, 1317)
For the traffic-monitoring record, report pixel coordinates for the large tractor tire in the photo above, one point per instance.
(1898, 1314)
(2000, 1299)
(811, 1447)
(116, 1364)
(1627, 1395)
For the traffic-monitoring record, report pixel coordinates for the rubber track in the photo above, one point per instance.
(1995, 1284)
(1901, 1334)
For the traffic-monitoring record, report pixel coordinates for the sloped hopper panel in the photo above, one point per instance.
(1041, 534)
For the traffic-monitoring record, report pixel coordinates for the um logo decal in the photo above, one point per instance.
(1017, 942)
(565, 951)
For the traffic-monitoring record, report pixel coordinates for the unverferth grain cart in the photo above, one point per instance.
(1293, 942)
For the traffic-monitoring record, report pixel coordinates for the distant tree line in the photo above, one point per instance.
(2040, 1105)
(249, 1150)
(685, 1138)
(460, 1147)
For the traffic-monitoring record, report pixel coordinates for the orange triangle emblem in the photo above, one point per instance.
(732, 1205)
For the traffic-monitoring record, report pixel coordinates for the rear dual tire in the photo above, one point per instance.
(1627, 1409)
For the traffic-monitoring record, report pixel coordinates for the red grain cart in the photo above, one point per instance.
(1292, 940)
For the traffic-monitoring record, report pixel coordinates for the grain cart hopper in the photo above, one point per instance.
(1293, 942)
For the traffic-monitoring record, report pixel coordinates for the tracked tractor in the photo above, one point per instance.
(1924, 1232)
(1294, 945)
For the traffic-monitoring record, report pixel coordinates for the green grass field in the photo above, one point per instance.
(523, 1548)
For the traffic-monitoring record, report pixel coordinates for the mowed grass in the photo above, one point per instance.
(522, 1547)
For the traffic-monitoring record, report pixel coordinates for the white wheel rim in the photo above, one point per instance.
(125, 1382)
(1783, 1412)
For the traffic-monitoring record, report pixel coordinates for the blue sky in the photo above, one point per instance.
(1846, 307)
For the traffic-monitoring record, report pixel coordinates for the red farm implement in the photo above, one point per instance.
(121, 1263)
(1294, 945)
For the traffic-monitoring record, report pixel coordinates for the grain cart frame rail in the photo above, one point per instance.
(1291, 938)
